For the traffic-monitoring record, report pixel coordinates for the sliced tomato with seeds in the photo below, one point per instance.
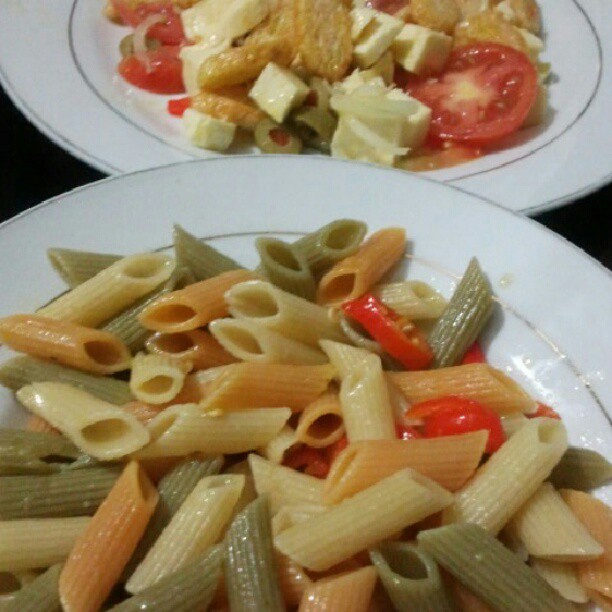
(484, 94)
(169, 32)
(160, 71)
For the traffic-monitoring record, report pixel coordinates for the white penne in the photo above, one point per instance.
(100, 429)
(548, 529)
(561, 577)
(362, 520)
(276, 448)
(283, 485)
(479, 382)
(186, 428)
(321, 422)
(197, 524)
(156, 379)
(33, 543)
(250, 341)
(287, 516)
(344, 357)
(412, 299)
(294, 317)
(112, 290)
(511, 475)
(512, 423)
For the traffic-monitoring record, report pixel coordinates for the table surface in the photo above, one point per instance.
(34, 169)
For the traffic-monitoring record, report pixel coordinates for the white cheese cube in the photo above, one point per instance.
(211, 21)
(416, 128)
(535, 45)
(538, 112)
(277, 91)
(361, 18)
(376, 38)
(506, 11)
(421, 50)
(357, 78)
(383, 68)
(207, 132)
(193, 56)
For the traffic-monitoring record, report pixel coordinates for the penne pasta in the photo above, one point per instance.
(294, 317)
(107, 543)
(100, 429)
(549, 530)
(292, 579)
(156, 379)
(463, 598)
(581, 469)
(321, 423)
(71, 345)
(143, 412)
(348, 592)
(186, 428)
(39, 595)
(111, 290)
(363, 520)
(194, 306)
(561, 577)
(249, 341)
(276, 448)
(254, 385)
(450, 461)
(510, 476)
(75, 267)
(35, 423)
(293, 514)
(414, 300)
(479, 382)
(353, 276)
(196, 525)
(344, 357)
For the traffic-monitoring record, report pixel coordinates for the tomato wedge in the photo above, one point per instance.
(484, 94)
(162, 75)
(452, 415)
(311, 461)
(545, 411)
(474, 355)
(405, 432)
(178, 106)
(169, 32)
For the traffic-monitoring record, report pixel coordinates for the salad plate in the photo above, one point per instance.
(551, 334)
(67, 84)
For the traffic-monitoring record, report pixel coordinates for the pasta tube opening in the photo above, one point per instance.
(253, 300)
(340, 237)
(105, 353)
(549, 432)
(324, 425)
(406, 563)
(172, 314)
(9, 583)
(281, 254)
(173, 343)
(338, 289)
(146, 267)
(107, 430)
(241, 341)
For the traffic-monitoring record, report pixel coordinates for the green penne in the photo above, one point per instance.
(286, 267)
(173, 488)
(41, 595)
(190, 589)
(203, 260)
(331, 243)
(70, 493)
(28, 452)
(250, 569)
(463, 319)
(411, 578)
(20, 371)
(486, 567)
(581, 469)
(75, 267)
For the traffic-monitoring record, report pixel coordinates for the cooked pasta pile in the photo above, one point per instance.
(305, 435)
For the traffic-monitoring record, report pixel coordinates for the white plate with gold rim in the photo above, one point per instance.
(552, 332)
(58, 63)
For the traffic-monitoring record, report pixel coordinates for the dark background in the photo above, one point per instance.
(34, 169)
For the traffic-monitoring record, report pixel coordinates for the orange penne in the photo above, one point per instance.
(292, 578)
(595, 575)
(349, 592)
(36, 423)
(450, 461)
(321, 423)
(356, 274)
(102, 551)
(267, 385)
(73, 345)
(197, 347)
(194, 306)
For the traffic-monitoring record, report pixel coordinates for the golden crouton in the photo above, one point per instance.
(229, 104)
(489, 26)
(440, 15)
(527, 15)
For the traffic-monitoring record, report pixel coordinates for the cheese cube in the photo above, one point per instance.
(421, 50)
(383, 68)
(192, 57)
(357, 78)
(361, 18)
(376, 38)
(207, 132)
(538, 112)
(211, 21)
(277, 91)
(535, 45)
(416, 124)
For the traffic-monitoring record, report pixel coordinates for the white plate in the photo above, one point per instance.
(58, 63)
(553, 333)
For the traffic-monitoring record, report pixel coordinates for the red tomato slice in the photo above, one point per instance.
(545, 411)
(178, 106)
(474, 355)
(309, 460)
(455, 415)
(405, 432)
(164, 75)
(484, 94)
(387, 6)
(170, 32)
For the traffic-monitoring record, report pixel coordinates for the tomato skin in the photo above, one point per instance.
(545, 411)
(170, 32)
(405, 432)
(178, 106)
(484, 94)
(456, 415)
(165, 75)
(311, 461)
(474, 355)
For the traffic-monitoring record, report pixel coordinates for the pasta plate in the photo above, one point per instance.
(131, 130)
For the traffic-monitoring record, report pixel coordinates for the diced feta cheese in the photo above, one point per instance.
(277, 91)
(535, 45)
(207, 132)
(506, 11)
(193, 56)
(357, 78)
(538, 112)
(376, 38)
(421, 50)
(416, 128)
(383, 68)
(361, 17)
(214, 20)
